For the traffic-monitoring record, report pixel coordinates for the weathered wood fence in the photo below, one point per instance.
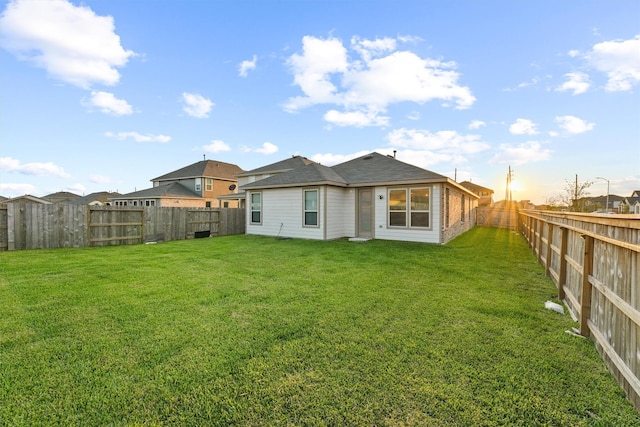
(36, 226)
(594, 261)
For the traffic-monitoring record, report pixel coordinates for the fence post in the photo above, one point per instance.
(548, 255)
(562, 274)
(585, 300)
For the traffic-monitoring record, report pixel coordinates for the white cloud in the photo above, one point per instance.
(365, 87)
(245, 66)
(574, 53)
(420, 158)
(312, 71)
(523, 127)
(216, 146)
(15, 190)
(576, 82)
(329, 159)
(71, 43)
(531, 151)
(573, 125)
(267, 148)
(10, 164)
(476, 124)
(620, 60)
(109, 104)
(196, 105)
(355, 118)
(138, 137)
(447, 141)
(100, 179)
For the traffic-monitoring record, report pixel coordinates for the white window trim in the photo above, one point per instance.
(317, 210)
(251, 211)
(408, 210)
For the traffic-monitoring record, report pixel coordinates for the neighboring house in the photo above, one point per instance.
(60, 197)
(27, 198)
(100, 198)
(262, 173)
(631, 204)
(373, 196)
(486, 194)
(197, 185)
(600, 203)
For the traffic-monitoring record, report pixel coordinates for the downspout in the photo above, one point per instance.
(324, 213)
(442, 220)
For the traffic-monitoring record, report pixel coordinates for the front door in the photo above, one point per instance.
(365, 212)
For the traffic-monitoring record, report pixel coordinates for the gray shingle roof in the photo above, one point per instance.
(281, 166)
(204, 168)
(313, 173)
(172, 189)
(378, 168)
(371, 169)
(100, 196)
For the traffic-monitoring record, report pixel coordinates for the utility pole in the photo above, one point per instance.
(507, 195)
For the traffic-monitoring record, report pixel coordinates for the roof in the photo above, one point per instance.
(475, 187)
(278, 167)
(370, 169)
(378, 168)
(100, 196)
(27, 198)
(173, 189)
(63, 196)
(206, 169)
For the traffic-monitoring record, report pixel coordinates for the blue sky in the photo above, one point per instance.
(106, 95)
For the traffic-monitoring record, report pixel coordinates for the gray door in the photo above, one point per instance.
(365, 212)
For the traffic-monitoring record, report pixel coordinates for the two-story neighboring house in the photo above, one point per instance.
(486, 194)
(262, 173)
(197, 185)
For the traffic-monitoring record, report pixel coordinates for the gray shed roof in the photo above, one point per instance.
(281, 166)
(172, 189)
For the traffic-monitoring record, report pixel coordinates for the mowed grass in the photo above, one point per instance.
(248, 330)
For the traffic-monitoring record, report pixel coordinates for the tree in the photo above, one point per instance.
(574, 195)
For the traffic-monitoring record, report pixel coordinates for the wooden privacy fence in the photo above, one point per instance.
(595, 263)
(36, 226)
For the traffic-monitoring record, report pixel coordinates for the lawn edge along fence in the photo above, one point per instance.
(37, 226)
(595, 263)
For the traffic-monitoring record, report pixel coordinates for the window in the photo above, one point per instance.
(198, 184)
(311, 208)
(256, 208)
(398, 208)
(415, 213)
(209, 184)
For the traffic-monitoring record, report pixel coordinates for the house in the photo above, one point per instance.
(600, 203)
(27, 198)
(486, 194)
(262, 173)
(631, 204)
(60, 197)
(196, 185)
(100, 198)
(373, 196)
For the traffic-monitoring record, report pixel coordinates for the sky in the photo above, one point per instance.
(107, 95)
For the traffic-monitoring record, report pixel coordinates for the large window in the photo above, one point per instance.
(409, 207)
(256, 208)
(209, 184)
(311, 208)
(398, 208)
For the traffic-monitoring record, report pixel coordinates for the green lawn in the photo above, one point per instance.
(247, 330)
